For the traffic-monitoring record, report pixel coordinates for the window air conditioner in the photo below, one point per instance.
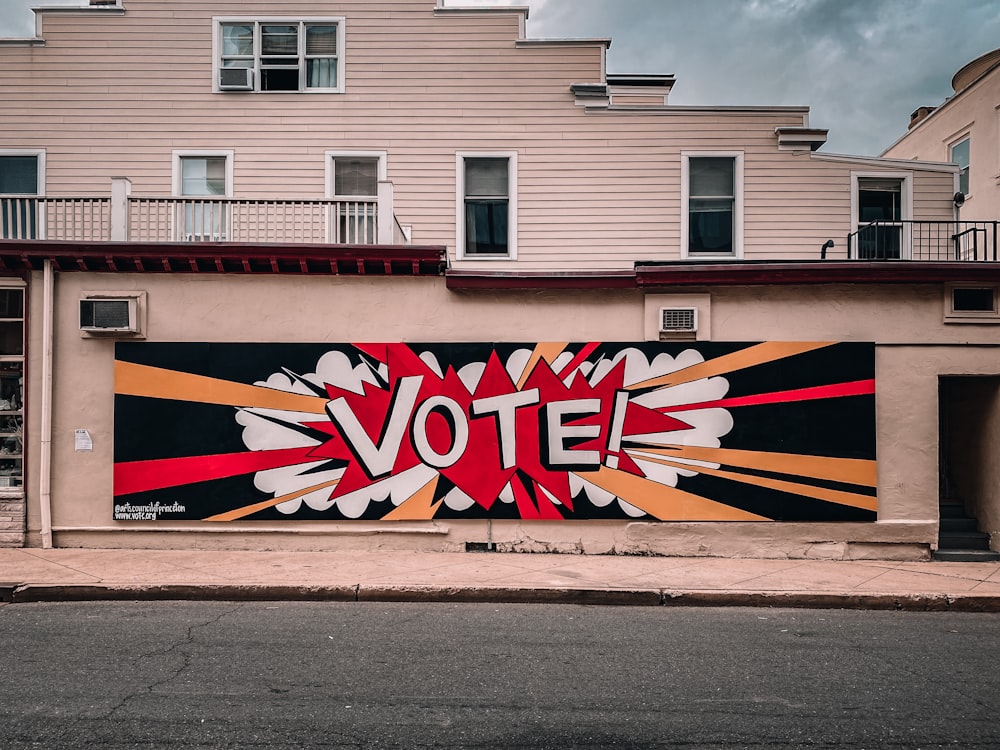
(109, 315)
(235, 79)
(678, 320)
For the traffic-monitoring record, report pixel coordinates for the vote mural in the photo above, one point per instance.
(690, 431)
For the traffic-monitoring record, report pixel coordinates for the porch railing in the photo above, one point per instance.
(239, 220)
(123, 217)
(30, 217)
(925, 240)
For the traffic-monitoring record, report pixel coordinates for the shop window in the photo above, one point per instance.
(11, 391)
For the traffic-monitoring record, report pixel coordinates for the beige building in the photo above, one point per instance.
(391, 274)
(964, 129)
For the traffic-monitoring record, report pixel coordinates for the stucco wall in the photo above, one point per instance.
(973, 412)
(914, 348)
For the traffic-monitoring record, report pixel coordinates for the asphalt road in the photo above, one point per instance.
(317, 675)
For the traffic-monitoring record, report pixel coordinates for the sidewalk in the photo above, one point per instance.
(36, 575)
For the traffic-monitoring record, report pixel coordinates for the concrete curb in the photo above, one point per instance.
(37, 593)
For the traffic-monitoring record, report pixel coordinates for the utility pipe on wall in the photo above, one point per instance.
(45, 459)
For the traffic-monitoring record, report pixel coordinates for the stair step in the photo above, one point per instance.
(963, 540)
(959, 524)
(949, 509)
(965, 555)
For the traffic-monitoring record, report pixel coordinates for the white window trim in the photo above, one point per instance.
(906, 200)
(966, 136)
(178, 155)
(38, 153)
(737, 157)
(217, 22)
(511, 157)
(176, 219)
(331, 156)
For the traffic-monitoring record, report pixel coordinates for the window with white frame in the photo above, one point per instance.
(959, 153)
(712, 211)
(352, 182)
(203, 182)
(279, 54)
(22, 174)
(487, 205)
(880, 205)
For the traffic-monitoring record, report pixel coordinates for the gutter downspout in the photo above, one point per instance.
(45, 465)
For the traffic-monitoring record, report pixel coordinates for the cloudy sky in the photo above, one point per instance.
(862, 65)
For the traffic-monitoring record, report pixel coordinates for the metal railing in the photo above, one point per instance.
(173, 219)
(925, 240)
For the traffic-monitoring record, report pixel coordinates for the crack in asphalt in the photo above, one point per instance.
(176, 673)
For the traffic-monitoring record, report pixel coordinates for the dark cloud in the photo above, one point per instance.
(861, 65)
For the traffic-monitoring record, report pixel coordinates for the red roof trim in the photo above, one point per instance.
(812, 272)
(455, 279)
(18, 256)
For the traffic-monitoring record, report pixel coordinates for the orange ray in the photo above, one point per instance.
(852, 499)
(548, 352)
(419, 507)
(249, 510)
(754, 355)
(154, 382)
(847, 470)
(664, 502)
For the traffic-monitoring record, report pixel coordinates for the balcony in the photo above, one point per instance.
(122, 217)
(924, 241)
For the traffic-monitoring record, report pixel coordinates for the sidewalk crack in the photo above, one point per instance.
(96, 579)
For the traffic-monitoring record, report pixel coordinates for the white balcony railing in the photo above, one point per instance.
(126, 218)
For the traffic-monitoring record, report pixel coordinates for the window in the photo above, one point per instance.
(281, 54)
(712, 193)
(881, 207)
(11, 391)
(972, 303)
(487, 210)
(204, 180)
(959, 153)
(21, 174)
(352, 181)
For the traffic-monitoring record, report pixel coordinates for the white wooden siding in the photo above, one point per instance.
(111, 96)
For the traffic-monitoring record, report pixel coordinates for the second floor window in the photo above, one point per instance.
(203, 181)
(712, 221)
(355, 188)
(488, 205)
(959, 153)
(20, 175)
(280, 55)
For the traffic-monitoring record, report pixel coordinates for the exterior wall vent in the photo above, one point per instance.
(681, 322)
(235, 79)
(109, 315)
